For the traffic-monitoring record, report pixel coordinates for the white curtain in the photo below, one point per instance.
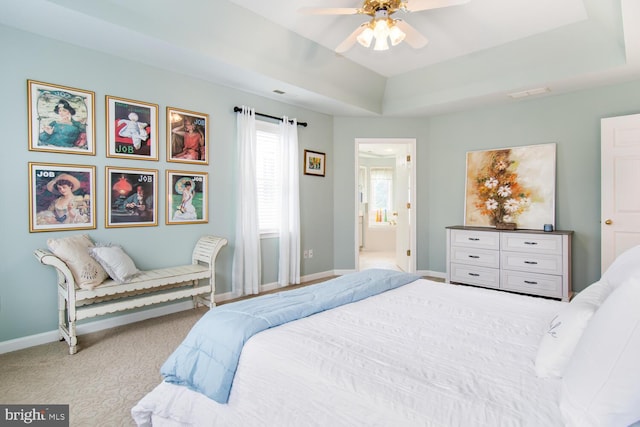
(289, 256)
(246, 258)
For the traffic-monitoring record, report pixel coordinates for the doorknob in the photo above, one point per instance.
(608, 222)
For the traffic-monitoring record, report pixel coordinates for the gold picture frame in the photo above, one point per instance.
(187, 136)
(132, 129)
(131, 197)
(61, 197)
(187, 197)
(61, 119)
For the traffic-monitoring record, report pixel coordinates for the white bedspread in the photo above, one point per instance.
(426, 354)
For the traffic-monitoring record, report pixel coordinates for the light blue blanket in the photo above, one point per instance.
(206, 360)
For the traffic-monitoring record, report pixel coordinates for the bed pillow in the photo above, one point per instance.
(118, 265)
(625, 265)
(566, 328)
(601, 385)
(73, 250)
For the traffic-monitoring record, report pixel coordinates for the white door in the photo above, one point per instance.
(620, 192)
(402, 202)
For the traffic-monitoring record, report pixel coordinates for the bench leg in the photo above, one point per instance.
(73, 339)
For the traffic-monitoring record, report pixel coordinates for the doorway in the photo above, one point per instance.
(385, 203)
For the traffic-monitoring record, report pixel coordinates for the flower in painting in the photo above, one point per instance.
(491, 183)
(504, 191)
(499, 194)
(511, 205)
(491, 204)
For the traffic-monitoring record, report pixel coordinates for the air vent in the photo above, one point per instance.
(279, 92)
(529, 92)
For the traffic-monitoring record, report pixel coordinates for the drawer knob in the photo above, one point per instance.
(530, 243)
(531, 262)
(474, 256)
(529, 282)
(474, 239)
(474, 274)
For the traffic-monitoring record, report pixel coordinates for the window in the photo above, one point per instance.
(268, 169)
(380, 203)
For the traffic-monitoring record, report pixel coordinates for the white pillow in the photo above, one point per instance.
(625, 265)
(566, 328)
(601, 385)
(115, 261)
(73, 250)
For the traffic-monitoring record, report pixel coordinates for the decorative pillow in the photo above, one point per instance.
(566, 328)
(625, 265)
(601, 385)
(73, 251)
(115, 261)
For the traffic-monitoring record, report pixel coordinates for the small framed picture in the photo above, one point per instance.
(132, 129)
(187, 136)
(314, 163)
(61, 197)
(187, 197)
(61, 119)
(131, 197)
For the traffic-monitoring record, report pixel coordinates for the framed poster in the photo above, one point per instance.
(61, 197)
(187, 136)
(131, 197)
(314, 163)
(511, 185)
(187, 197)
(61, 119)
(132, 129)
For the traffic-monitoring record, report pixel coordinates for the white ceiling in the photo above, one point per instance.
(477, 54)
(452, 31)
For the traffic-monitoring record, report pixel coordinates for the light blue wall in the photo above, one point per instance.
(28, 302)
(27, 290)
(572, 121)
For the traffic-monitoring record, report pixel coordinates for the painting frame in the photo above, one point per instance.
(314, 163)
(197, 152)
(61, 119)
(131, 129)
(182, 208)
(131, 197)
(50, 209)
(511, 187)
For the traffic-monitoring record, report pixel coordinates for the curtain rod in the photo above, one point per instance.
(238, 109)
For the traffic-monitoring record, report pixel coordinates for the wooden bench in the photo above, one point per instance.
(147, 288)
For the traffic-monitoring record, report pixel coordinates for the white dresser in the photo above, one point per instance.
(525, 261)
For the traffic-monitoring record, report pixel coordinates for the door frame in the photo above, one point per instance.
(411, 143)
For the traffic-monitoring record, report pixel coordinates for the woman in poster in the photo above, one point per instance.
(64, 131)
(186, 211)
(67, 208)
(193, 140)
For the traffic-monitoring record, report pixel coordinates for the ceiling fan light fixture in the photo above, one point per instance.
(381, 44)
(365, 37)
(396, 35)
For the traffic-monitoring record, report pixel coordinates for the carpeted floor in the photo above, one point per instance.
(112, 371)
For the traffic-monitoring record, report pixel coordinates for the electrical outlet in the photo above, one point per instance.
(310, 253)
(305, 254)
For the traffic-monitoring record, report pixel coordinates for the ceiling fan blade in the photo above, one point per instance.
(419, 5)
(413, 37)
(328, 11)
(350, 40)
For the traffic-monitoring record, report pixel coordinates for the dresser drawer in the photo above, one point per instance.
(538, 243)
(533, 262)
(481, 257)
(475, 275)
(475, 239)
(532, 283)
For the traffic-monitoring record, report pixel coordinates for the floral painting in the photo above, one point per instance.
(511, 185)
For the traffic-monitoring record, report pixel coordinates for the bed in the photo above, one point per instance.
(429, 354)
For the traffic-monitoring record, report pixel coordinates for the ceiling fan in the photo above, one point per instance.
(382, 27)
